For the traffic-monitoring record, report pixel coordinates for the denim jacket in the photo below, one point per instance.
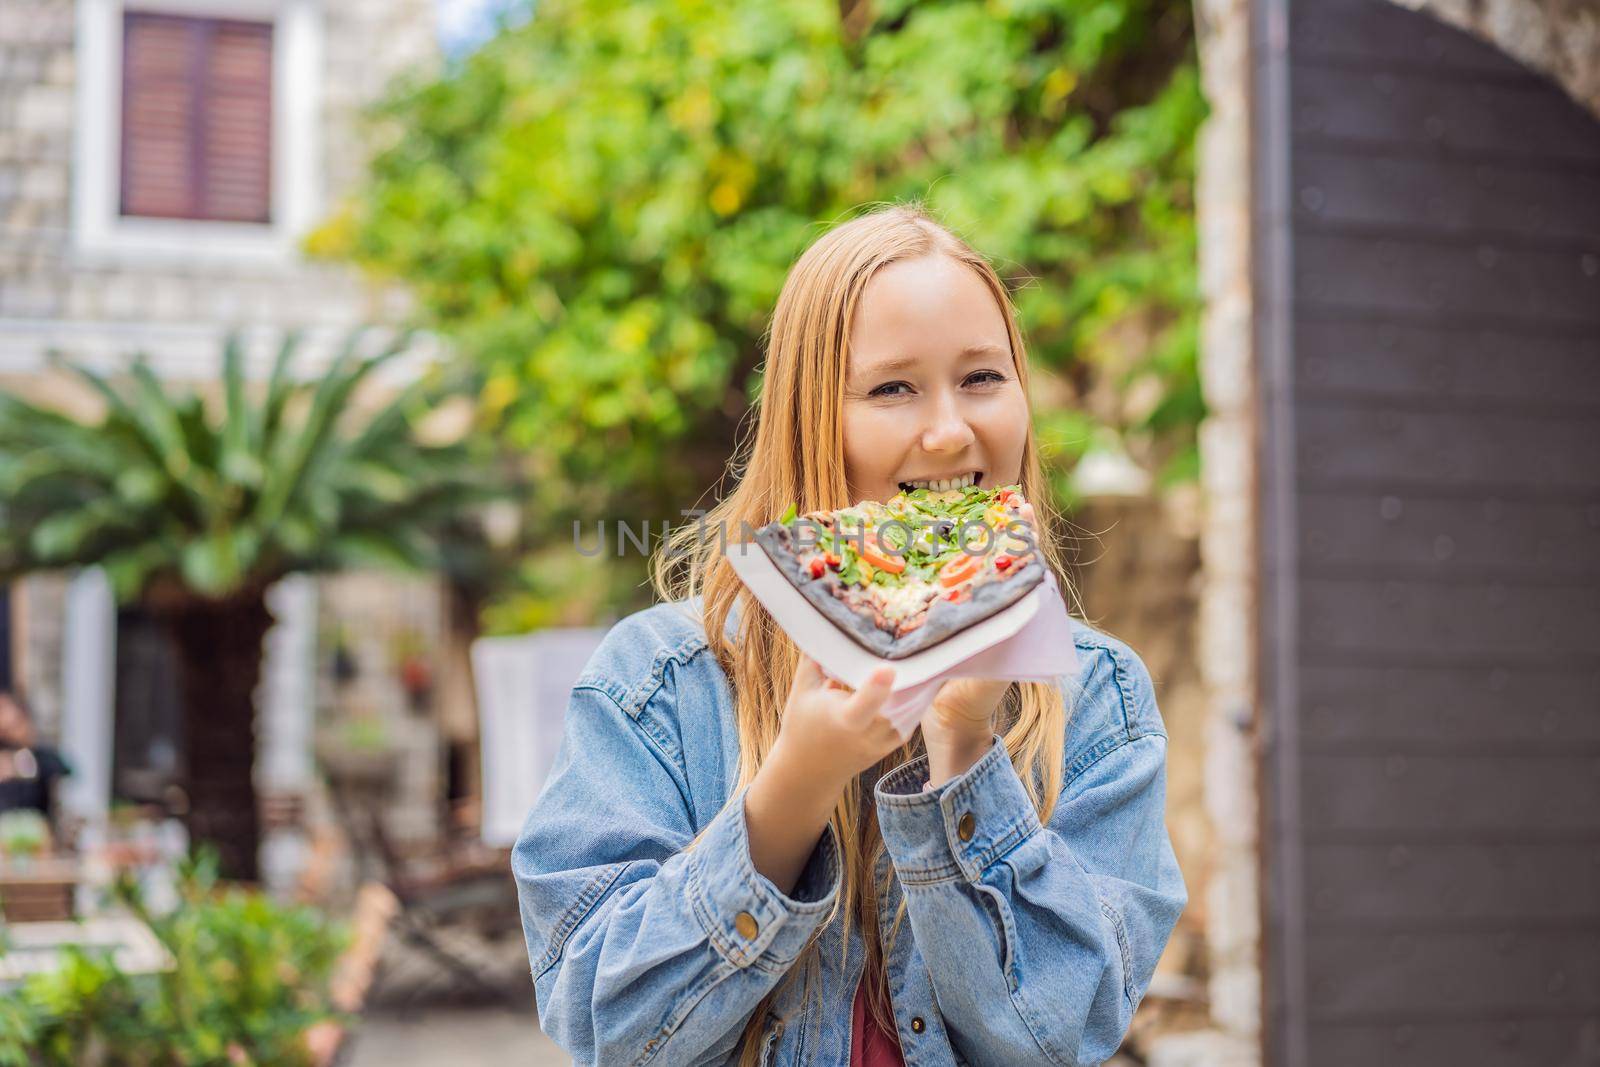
(1028, 943)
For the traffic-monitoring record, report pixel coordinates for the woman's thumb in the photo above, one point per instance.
(807, 675)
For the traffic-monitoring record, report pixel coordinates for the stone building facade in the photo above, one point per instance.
(74, 275)
(80, 274)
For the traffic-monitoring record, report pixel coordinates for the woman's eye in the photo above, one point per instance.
(985, 377)
(891, 389)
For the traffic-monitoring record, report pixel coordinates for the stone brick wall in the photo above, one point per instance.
(375, 611)
(51, 294)
(36, 120)
(1228, 601)
(1224, 649)
(1135, 563)
(38, 609)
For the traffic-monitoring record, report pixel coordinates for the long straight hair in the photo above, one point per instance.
(797, 455)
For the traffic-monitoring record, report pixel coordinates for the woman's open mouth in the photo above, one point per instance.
(940, 485)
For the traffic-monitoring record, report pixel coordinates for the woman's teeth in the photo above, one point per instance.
(944, 484)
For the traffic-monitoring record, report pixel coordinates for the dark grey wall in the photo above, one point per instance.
(1428, 257)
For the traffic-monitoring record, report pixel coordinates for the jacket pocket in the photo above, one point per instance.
(771, 1032)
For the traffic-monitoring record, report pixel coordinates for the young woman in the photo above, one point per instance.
(735, 860)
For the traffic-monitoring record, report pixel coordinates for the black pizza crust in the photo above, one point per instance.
(945, 618)
(777, 540)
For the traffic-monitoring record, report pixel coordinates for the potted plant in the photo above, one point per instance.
(24, 835)
(247, 981)
(357, 751)
(413, 667)
(341, 657)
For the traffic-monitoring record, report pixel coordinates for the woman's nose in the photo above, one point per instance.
(949, 430)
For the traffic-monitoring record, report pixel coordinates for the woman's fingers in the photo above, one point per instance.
(860, 703)
(872, 695)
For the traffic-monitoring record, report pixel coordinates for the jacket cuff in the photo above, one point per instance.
(744, 914)
(959, 828)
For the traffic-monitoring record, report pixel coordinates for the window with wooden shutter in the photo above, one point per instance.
(196, 118)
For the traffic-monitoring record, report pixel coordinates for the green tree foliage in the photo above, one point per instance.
(600, 205)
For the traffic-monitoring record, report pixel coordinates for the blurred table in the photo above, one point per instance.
(33, 948)
(38, 888)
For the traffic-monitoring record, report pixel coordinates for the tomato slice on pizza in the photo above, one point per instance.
(901, 575)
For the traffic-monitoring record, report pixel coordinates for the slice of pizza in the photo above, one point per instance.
(901, 575)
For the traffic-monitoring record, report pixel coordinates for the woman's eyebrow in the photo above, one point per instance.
(894, 363)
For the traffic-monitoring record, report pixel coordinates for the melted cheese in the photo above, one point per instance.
(898, 602)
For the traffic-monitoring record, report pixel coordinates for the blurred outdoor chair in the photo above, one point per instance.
(463, 882)
(454, 886)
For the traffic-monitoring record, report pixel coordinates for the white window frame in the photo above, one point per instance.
(102, 235)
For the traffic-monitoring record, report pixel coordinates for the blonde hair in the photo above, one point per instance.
(798, 456)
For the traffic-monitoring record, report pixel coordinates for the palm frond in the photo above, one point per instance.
(161, 487)
(279, 390)
(118, 410)
(303, 451)
(236, 464)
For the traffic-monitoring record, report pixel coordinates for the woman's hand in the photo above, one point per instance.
(832, 733)
(959, 728)
(828, 736)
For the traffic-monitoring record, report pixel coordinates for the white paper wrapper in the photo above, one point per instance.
(1030, 641)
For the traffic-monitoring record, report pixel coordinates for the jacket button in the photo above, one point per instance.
(745, 923)
(917, 1025)
(964, 826)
